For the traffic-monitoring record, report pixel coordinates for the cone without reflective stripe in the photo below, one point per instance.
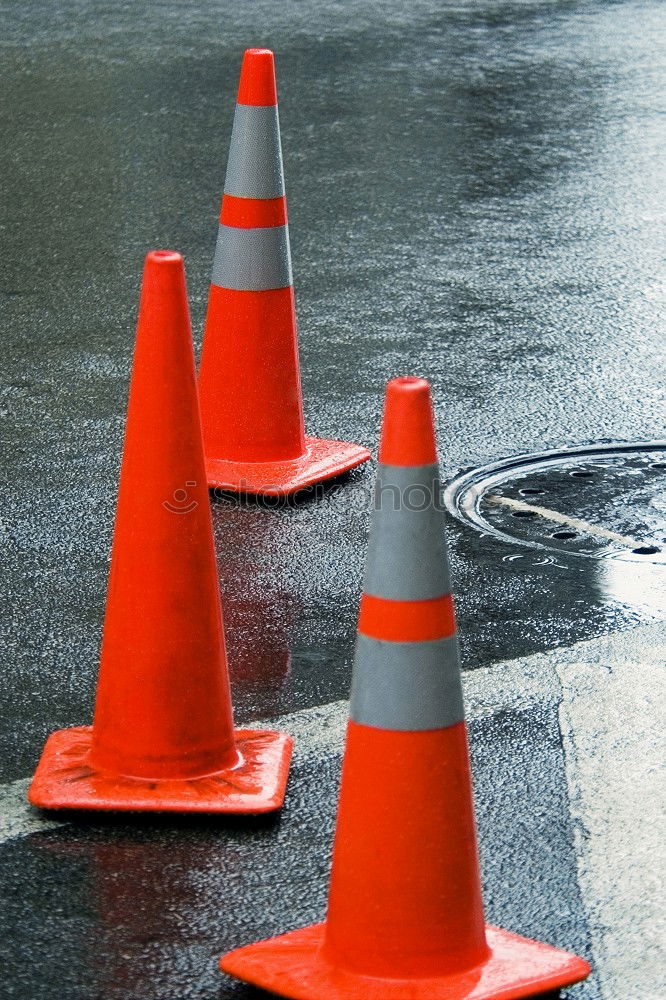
(249, 381)
(163, 737)
(405, 914)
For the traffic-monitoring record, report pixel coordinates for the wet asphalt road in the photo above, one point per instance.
(475, 195)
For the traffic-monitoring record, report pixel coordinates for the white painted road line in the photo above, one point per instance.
(505, 686)
(613, 720)
(17, 818)
(571, 522)
(320, 732)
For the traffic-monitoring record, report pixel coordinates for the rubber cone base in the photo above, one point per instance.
(65, 780)
(294, 965)
(322, 460)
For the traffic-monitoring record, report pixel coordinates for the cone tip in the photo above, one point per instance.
(160, 258)
(257, 80)
(408, 434)
(163, 275)
(163, 269)
(411, 384)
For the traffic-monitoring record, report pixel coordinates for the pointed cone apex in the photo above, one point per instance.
(257, 80)
(163, 737)
(405, 913)
(249, 380)
(408, 434)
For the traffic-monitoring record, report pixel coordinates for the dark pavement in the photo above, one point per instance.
(475, 195)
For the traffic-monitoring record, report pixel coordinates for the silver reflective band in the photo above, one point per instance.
(252, 260)
(407, 558)
(406, 686)
(254, 167)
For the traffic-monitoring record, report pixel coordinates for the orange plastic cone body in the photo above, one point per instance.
(405, 915)
(430, 921)
(163, 736)
(249, 380)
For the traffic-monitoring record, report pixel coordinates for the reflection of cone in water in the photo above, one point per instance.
(405, 916)
(145, 897)
(147, 904)
(259, 650)
(163, 736)
(258, 613)
(249, 381)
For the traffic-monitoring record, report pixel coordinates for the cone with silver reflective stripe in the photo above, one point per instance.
(249, 381)
(405, 916)
(163, 736)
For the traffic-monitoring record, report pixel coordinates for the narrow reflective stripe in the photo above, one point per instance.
(253, 213)
(252, 260)
(407, 558)
(407, 686)
(406, 621)
(254, 167)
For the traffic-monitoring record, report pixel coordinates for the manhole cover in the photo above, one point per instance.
(594, 501)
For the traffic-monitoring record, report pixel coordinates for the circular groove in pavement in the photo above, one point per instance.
(617, 490)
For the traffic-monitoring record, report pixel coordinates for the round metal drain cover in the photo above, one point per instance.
(595, 501)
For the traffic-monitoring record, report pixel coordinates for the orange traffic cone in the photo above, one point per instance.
(405, 915)
(163, 736)
(249, 381)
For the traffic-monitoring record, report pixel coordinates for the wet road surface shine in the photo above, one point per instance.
(476, 195)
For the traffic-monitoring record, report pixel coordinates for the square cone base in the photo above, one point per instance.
(64, 779)
(294, 965)
(321, 460)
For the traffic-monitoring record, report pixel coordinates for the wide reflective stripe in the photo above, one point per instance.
(407, 558)
(407, 686)
(252, 260)
(254, 168)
